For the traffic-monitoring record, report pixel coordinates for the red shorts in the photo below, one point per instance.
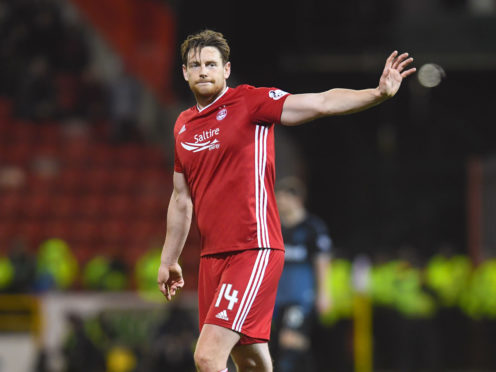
(237, 290)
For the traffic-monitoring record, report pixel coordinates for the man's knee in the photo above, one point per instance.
(213, 348)
(205, 361)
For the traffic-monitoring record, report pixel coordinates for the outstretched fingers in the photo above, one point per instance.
(405, 63)
(406, 73)
(399, 60)
(390, 60)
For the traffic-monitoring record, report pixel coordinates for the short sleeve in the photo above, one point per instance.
(177, 164)
(265, 104)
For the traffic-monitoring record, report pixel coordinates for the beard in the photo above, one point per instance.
(207, 88)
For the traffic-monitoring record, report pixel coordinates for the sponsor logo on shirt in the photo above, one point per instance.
(277, 94)
(203, 141)
(183, 129)
(221, 114)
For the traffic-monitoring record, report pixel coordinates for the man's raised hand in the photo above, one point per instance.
(394, 73)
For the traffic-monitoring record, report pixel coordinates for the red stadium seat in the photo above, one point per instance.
(130, 155)
(118, 206)
(37, 205)
(11, 204)
(91, 206)
(102, 156)
(64, 206)
(70, 180)
(85, 232)
(124, 180)
(97, 180)
(49, 133)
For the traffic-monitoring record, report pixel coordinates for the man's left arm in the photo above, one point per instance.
(301, 108)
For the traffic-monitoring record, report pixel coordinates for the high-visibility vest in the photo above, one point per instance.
(56, 260)
(6, 273)
(341, 294)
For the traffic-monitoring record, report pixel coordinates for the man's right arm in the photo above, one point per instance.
(301, 108)
(179, 216)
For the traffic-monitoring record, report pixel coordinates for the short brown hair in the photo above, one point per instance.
(203, 39)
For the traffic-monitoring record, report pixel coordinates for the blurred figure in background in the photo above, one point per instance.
(302, 292)
(36, 94)
(173, 344)
(125, 104)
(80, 352)
(418, 338)
(24, 266)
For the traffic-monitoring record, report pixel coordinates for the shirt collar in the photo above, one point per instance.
(211, 103)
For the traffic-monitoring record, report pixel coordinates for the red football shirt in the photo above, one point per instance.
(226, 153)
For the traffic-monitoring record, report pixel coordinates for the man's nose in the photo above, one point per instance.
(203, 70)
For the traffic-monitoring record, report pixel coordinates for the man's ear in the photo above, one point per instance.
(185, 73)
(227, 70)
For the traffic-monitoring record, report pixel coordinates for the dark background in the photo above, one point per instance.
(396, 174)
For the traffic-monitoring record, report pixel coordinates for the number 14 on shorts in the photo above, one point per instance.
(225, 292)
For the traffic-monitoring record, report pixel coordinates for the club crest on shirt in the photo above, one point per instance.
(221, 114)
(276, 94)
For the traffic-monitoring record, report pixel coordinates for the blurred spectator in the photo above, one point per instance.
(6, 274)
(302, 292)
(418, 336)
(12, 177)
(45, 167)
(145, 274)
(92, 98)
(57, 267)
(11, 60)
(41, 363)
(24, 265)
(45, 28)
(55, 54)
(72, 52)
(36, 96)
(102, 273)
(172, 344)
(80, 352)
(124, 108)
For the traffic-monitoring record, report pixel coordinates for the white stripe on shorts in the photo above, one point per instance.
(252, 288)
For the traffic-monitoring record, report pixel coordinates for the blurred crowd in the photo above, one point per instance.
(46, 67)
(424, 313)
(45, 63)
(54, 267)
(127, 342)
(433, 314)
